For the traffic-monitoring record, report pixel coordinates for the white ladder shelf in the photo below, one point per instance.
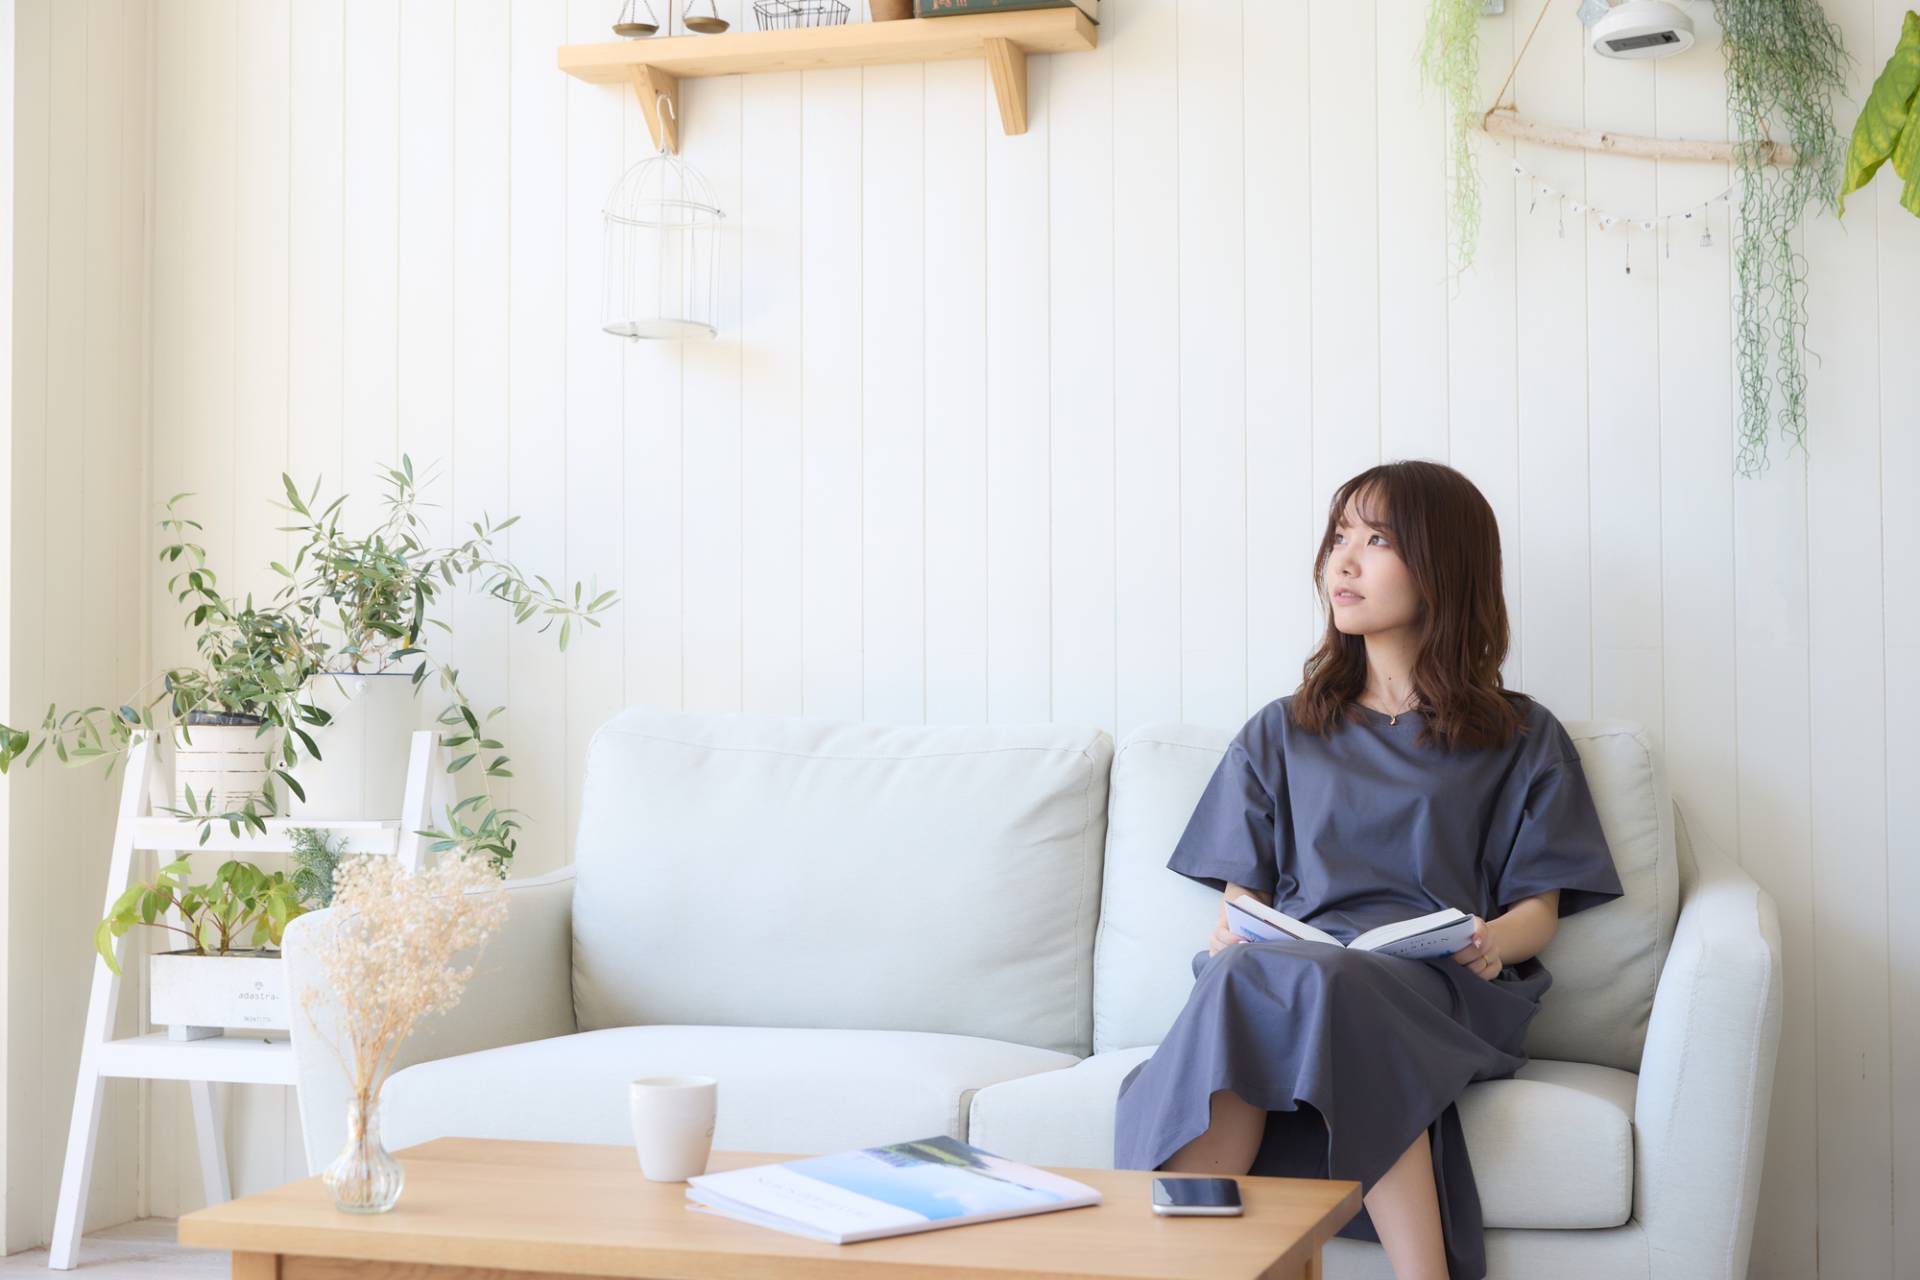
(217, 1059)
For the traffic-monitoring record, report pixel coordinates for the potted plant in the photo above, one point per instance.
(230, 975)
(354, 607)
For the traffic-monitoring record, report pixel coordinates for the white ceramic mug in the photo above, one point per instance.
(673, 1124)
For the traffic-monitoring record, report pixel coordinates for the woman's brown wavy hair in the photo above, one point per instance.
(1446, 533)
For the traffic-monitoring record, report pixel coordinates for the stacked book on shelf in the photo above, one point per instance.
(947, 8)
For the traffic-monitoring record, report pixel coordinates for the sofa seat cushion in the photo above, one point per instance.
(1552, 1146)
(782, 1089)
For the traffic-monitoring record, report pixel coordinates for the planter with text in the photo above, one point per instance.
(196, 996)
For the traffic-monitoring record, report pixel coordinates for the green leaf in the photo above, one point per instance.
(1885, 127)
(103, 936)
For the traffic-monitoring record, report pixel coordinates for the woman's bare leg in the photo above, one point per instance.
(1230, 1143)
(1405, 1210)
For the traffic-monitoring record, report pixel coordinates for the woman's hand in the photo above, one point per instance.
(1482, 954)
(1223, 936)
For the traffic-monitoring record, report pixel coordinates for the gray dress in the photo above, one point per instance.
(1352, 1054)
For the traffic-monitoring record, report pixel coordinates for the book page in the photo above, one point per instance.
(1254, 919)
(1440, 933)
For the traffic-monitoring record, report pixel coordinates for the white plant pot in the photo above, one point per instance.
(196, 996)
(231, 761)
(362, 770)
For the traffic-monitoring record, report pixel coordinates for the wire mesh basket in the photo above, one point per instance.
(780, 15)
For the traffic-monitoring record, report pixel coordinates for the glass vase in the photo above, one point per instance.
(364, 1177)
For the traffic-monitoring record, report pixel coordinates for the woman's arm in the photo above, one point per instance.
(1526, 928)
(1233, 891)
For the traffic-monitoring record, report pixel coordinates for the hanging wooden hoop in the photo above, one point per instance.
(1502, 122)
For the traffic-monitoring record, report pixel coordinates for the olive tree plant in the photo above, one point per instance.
(351, 603)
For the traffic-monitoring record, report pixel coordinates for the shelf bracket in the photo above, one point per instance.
(649, 85)
(1008, 63)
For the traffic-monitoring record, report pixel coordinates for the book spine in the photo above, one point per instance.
(948, 8)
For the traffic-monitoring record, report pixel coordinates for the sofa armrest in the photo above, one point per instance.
(521, 990)
(1706, 1075)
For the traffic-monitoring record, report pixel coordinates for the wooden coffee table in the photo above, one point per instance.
(479, 1209)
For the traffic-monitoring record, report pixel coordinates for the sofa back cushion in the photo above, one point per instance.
(1605, 960)
(740, 869)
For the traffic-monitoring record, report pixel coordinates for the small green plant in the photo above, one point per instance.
(315, 860)
(241, 898)
(1450, 62)
(1785, 66)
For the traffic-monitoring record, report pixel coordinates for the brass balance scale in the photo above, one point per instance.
(631, 25)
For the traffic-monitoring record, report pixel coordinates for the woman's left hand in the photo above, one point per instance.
(1482, 954)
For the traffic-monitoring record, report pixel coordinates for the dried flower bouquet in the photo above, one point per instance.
(387, 947)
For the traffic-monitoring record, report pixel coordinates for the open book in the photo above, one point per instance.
(885, 1191)
(1440, 933)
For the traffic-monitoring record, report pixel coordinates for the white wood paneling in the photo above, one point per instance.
(1211, 330)
(958, 113)
(999, 428)
(77, 76)
(1849, 726)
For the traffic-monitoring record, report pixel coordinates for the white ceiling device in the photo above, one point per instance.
(1643, 29)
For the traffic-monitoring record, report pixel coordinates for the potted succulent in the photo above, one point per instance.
(278, 677)
(230, 975)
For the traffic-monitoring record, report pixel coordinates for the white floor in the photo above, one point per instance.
(133, 1251)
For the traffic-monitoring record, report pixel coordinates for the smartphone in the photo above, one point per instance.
(1217, 1196)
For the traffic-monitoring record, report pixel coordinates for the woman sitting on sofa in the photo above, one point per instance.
(1400, 778)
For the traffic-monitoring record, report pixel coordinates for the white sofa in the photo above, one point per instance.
(871, 933)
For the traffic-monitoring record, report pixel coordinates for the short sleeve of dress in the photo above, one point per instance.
(1230, 836)
(1559, 845)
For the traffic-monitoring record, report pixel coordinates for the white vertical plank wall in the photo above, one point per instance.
(80, 81)
(994, 429)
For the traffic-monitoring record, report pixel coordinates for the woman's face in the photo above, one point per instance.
(1364, 561)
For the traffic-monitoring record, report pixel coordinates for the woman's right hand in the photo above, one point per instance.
(1223, 936)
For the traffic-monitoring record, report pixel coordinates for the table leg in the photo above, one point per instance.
(256, 1266)
(1312, 1271)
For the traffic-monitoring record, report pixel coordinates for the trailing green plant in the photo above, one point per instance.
(315, 860)
(1889, 123)
(1784, 64)
(351, 604)
(1450, 61)
(240, 899)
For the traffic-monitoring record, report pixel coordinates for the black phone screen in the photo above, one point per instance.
(1206, 1192)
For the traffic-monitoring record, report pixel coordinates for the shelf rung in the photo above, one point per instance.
(364, 835)
(227, 1059)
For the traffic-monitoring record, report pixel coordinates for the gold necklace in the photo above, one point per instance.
(1393, 717)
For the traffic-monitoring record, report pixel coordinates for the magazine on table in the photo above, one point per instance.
(1439, 933)
(921, 1185)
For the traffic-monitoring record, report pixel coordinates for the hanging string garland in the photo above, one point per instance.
(1694, 220)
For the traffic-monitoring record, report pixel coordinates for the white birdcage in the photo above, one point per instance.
(661, 250)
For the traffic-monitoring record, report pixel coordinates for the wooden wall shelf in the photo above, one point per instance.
(656, 65)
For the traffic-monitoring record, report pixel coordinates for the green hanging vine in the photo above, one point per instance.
(1784, 63)
(1450, 60)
